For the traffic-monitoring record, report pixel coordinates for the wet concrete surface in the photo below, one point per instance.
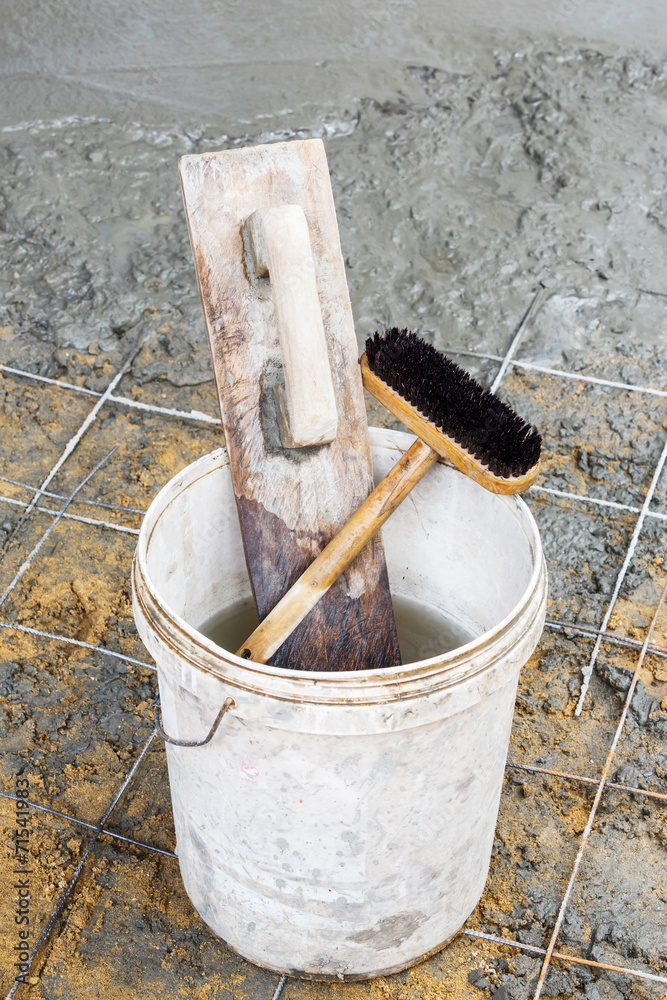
(460, 193)
(455, 199)
(156, 63)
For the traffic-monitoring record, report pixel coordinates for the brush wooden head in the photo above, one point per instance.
(519, 459)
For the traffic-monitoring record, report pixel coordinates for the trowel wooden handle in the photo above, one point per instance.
(339, 553)
(281, 248)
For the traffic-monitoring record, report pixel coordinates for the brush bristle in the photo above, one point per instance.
(454, 402)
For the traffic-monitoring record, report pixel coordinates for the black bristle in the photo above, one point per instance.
(452, 400)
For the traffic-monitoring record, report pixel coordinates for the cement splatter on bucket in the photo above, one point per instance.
(340, 825)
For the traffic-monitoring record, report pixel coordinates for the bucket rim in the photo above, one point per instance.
(449, 667)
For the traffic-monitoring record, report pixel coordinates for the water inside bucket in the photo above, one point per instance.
(423, 630)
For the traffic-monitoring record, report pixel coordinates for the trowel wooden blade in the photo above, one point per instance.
(291, 501)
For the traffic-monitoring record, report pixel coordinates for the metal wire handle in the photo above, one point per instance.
(226, 705)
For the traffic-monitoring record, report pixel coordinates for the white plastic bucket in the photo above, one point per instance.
(340, 824)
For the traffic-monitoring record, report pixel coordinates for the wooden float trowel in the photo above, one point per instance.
(272, 282)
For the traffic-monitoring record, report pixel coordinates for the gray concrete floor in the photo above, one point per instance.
(466, 179)
(173, 62)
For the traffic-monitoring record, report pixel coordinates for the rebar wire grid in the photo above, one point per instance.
(37, 496)
(596, 802)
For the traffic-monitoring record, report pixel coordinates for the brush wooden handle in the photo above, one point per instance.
(339, 553)
(281, 249)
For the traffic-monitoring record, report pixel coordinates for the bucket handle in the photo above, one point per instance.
(226, 705)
